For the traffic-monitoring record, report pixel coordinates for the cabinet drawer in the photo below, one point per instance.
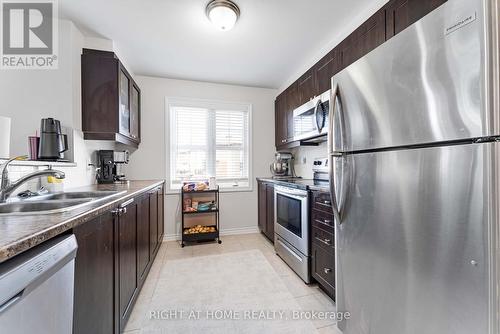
(322, 201)
(323, 269)
(323, 239)
(323, 220)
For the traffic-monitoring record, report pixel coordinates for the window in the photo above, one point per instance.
(209, 138)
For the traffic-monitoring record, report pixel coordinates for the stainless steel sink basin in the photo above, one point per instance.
(92, 195)
(39, 207)
(54, 203)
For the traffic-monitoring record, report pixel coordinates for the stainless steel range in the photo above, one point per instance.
(291, 220)
(291, 228)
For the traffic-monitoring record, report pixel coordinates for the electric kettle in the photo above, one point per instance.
(52, 142)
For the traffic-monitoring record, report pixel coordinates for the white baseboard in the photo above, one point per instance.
(228, 231)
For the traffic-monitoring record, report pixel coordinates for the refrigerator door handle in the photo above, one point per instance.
(336, 112)
(333, 192)
(344, 178)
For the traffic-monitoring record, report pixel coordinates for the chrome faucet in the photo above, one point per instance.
(7, 188)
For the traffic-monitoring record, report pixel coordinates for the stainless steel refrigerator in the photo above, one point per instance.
(415, 177)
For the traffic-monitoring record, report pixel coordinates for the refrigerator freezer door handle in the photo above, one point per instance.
(336, 112)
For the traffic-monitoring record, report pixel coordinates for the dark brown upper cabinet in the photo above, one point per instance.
(364, 39)
(391, 19)
(306, 87)
(110, 99)
(292, 102)
(325, 69)
(400, 14)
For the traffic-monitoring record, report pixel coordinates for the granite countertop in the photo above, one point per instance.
(22, 232)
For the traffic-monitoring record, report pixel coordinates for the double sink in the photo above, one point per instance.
(54, 203)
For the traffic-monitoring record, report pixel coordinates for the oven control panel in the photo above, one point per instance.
(320, 165)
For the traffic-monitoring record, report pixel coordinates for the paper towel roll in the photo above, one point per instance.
(4, 137)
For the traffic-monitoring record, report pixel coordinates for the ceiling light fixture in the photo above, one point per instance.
(223, 13)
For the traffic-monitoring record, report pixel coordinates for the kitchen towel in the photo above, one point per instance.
(4, 137)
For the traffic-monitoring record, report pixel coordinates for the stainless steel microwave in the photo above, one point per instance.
(310, 120)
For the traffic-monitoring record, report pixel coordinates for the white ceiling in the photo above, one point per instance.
(174, 39)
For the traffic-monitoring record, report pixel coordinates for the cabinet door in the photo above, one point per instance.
(280, 119)
(100, 93)
(161, 218)
(325, 69)
(323, 268)
(292, 102)
(262, 206)
(127, 260)
(364, 39)
(402, 13)
(270, 211)
(94, 280)
(143, 234)
(306, 87)
(135, 103)
(124, 84)
(153, 221)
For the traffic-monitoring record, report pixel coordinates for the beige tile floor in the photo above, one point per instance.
(309, 297)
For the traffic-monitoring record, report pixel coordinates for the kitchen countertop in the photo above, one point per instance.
(298, 183)
(19, 233)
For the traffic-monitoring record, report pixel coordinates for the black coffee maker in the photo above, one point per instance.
(53, 143)
(109, 163)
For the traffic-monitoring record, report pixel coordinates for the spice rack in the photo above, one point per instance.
(201, 236)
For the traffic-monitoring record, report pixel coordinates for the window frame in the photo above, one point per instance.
(208, 104)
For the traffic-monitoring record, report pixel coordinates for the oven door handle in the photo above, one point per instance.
(297, 197)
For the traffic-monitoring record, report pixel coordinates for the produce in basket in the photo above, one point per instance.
(199, 229)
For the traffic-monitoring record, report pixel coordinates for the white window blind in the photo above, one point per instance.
(209, 139)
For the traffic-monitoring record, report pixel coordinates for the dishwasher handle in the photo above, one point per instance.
(24, 272)
(5, 306)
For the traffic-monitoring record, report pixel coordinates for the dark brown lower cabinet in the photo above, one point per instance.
(127, 260)
(113, 260)
(153, 220)
(323, 269)
(161, 218)
(94, 277)
(266, 209)
(323, 242)
(143, 236)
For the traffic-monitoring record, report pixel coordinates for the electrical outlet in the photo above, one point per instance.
(89, 164)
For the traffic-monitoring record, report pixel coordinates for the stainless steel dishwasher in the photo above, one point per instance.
(36, 289)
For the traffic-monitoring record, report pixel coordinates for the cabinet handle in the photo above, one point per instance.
(326, 222)
(327, 242)
(124, 204)
(327, 270)
(283, 140)
(123, 210)
(115, 212)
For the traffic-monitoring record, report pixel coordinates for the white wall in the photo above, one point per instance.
(309, 153)
(238, 209)
(27, 96)
(333, 41)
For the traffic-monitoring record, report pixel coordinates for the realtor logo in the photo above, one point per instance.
(29, 34)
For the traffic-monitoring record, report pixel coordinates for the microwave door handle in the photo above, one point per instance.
(319, 125)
